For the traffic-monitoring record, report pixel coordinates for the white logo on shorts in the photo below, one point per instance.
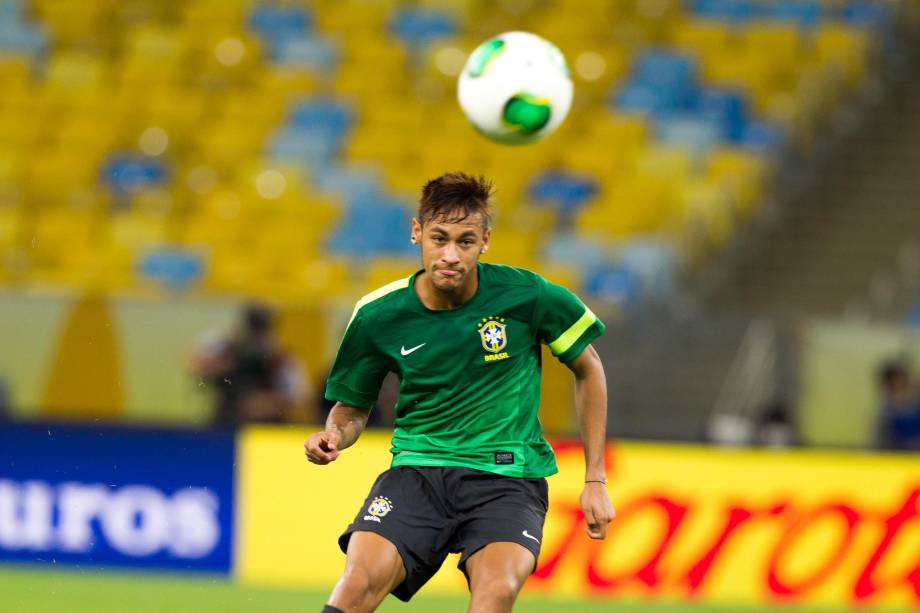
(530, 536)
(379, 507)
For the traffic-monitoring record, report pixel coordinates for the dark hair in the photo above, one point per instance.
(455, 196)
(258, 318)
(892, 372)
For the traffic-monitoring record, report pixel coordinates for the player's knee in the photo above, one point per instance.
(356, 580)
(498, 589)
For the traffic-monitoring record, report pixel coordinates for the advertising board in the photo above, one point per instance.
(116, 497)
(694, 523)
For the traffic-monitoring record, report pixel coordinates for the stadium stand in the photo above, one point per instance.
(228, 147)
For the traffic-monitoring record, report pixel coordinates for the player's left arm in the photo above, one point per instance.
(591, 406)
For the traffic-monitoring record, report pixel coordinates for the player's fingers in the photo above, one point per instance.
(591, 521)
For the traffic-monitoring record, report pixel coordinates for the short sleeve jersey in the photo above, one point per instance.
(469, 376)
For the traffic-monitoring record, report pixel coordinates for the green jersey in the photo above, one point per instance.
(469, 376)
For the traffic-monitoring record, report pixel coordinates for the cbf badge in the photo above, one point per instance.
(493, 334)
(378, 508)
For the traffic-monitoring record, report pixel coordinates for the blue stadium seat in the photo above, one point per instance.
(332, 116)
(311, 147)
(728, 108)
(734, 11)
(642, 98)
(868, 14)
(653, 264)
(11, 12)
(805, 13)
(418, 27)
(305, 51)
(354, 183)
(611, 283)
(129, 173)
(277, 23)
(573, 250)
(661, 82)
(763, 137)
(565, 191)
(692, 131)
(174, 269)
(373, 225)
(18, 37)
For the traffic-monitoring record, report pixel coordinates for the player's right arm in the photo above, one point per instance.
(343, 427)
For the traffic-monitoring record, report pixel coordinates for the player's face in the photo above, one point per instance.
(450, 251)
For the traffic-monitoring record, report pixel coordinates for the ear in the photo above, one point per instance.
(486, 239)
(416, 236)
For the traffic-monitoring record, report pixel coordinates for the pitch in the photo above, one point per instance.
(89, 590)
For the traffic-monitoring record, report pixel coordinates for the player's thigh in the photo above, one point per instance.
(374, 559)
(502, 510)
(504, 563)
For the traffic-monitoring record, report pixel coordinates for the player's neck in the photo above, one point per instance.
(439, 300)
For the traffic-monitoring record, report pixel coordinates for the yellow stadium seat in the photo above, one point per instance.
(223, 143)
(845, 47)
(59, 235)
(513, 247)
(381, 271)
(11, 226)
(311, 281)
(156, 42)
(15, 70)
(75, 22)
(20, 130)
(705, 38)
(743, 172)
(54, 173)
(75, 71)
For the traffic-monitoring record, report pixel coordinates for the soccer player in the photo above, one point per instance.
(469, 458)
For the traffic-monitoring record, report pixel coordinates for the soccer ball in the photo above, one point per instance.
(515, 88)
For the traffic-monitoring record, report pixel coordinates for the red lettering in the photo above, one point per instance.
(735, 517)
(648, 573)
(789, 589)
(549, 560)
(867, 584)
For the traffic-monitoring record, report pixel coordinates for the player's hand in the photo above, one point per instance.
(597, 508)
(322, 447)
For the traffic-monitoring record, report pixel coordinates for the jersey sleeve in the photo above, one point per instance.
(358, 370)
(564, 323)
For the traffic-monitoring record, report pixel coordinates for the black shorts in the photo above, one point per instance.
(428, 512)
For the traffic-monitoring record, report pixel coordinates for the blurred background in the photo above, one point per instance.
(194, 194)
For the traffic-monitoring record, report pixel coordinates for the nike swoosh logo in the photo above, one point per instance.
(405, 351)
(530, 536)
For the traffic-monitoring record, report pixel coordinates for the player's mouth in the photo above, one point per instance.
(448, 272)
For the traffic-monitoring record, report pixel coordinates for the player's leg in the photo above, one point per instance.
(397, 541)
(497, 573)
(499, 533)
(373, 568)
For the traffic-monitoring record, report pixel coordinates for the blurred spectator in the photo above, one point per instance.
(775, 427)
(252, 378)
(899, 418)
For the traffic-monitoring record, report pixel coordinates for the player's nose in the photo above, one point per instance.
(450, 255)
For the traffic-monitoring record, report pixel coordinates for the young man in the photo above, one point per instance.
(469, 458)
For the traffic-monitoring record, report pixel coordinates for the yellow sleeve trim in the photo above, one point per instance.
(378, 293)
(568, 338)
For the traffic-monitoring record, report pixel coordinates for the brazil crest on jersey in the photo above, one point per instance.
(469, 376)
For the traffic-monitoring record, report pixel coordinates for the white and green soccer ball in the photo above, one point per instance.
(515, 88)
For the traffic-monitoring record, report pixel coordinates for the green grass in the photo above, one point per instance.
(38, 590)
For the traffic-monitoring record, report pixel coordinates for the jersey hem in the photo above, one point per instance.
(506, 471)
